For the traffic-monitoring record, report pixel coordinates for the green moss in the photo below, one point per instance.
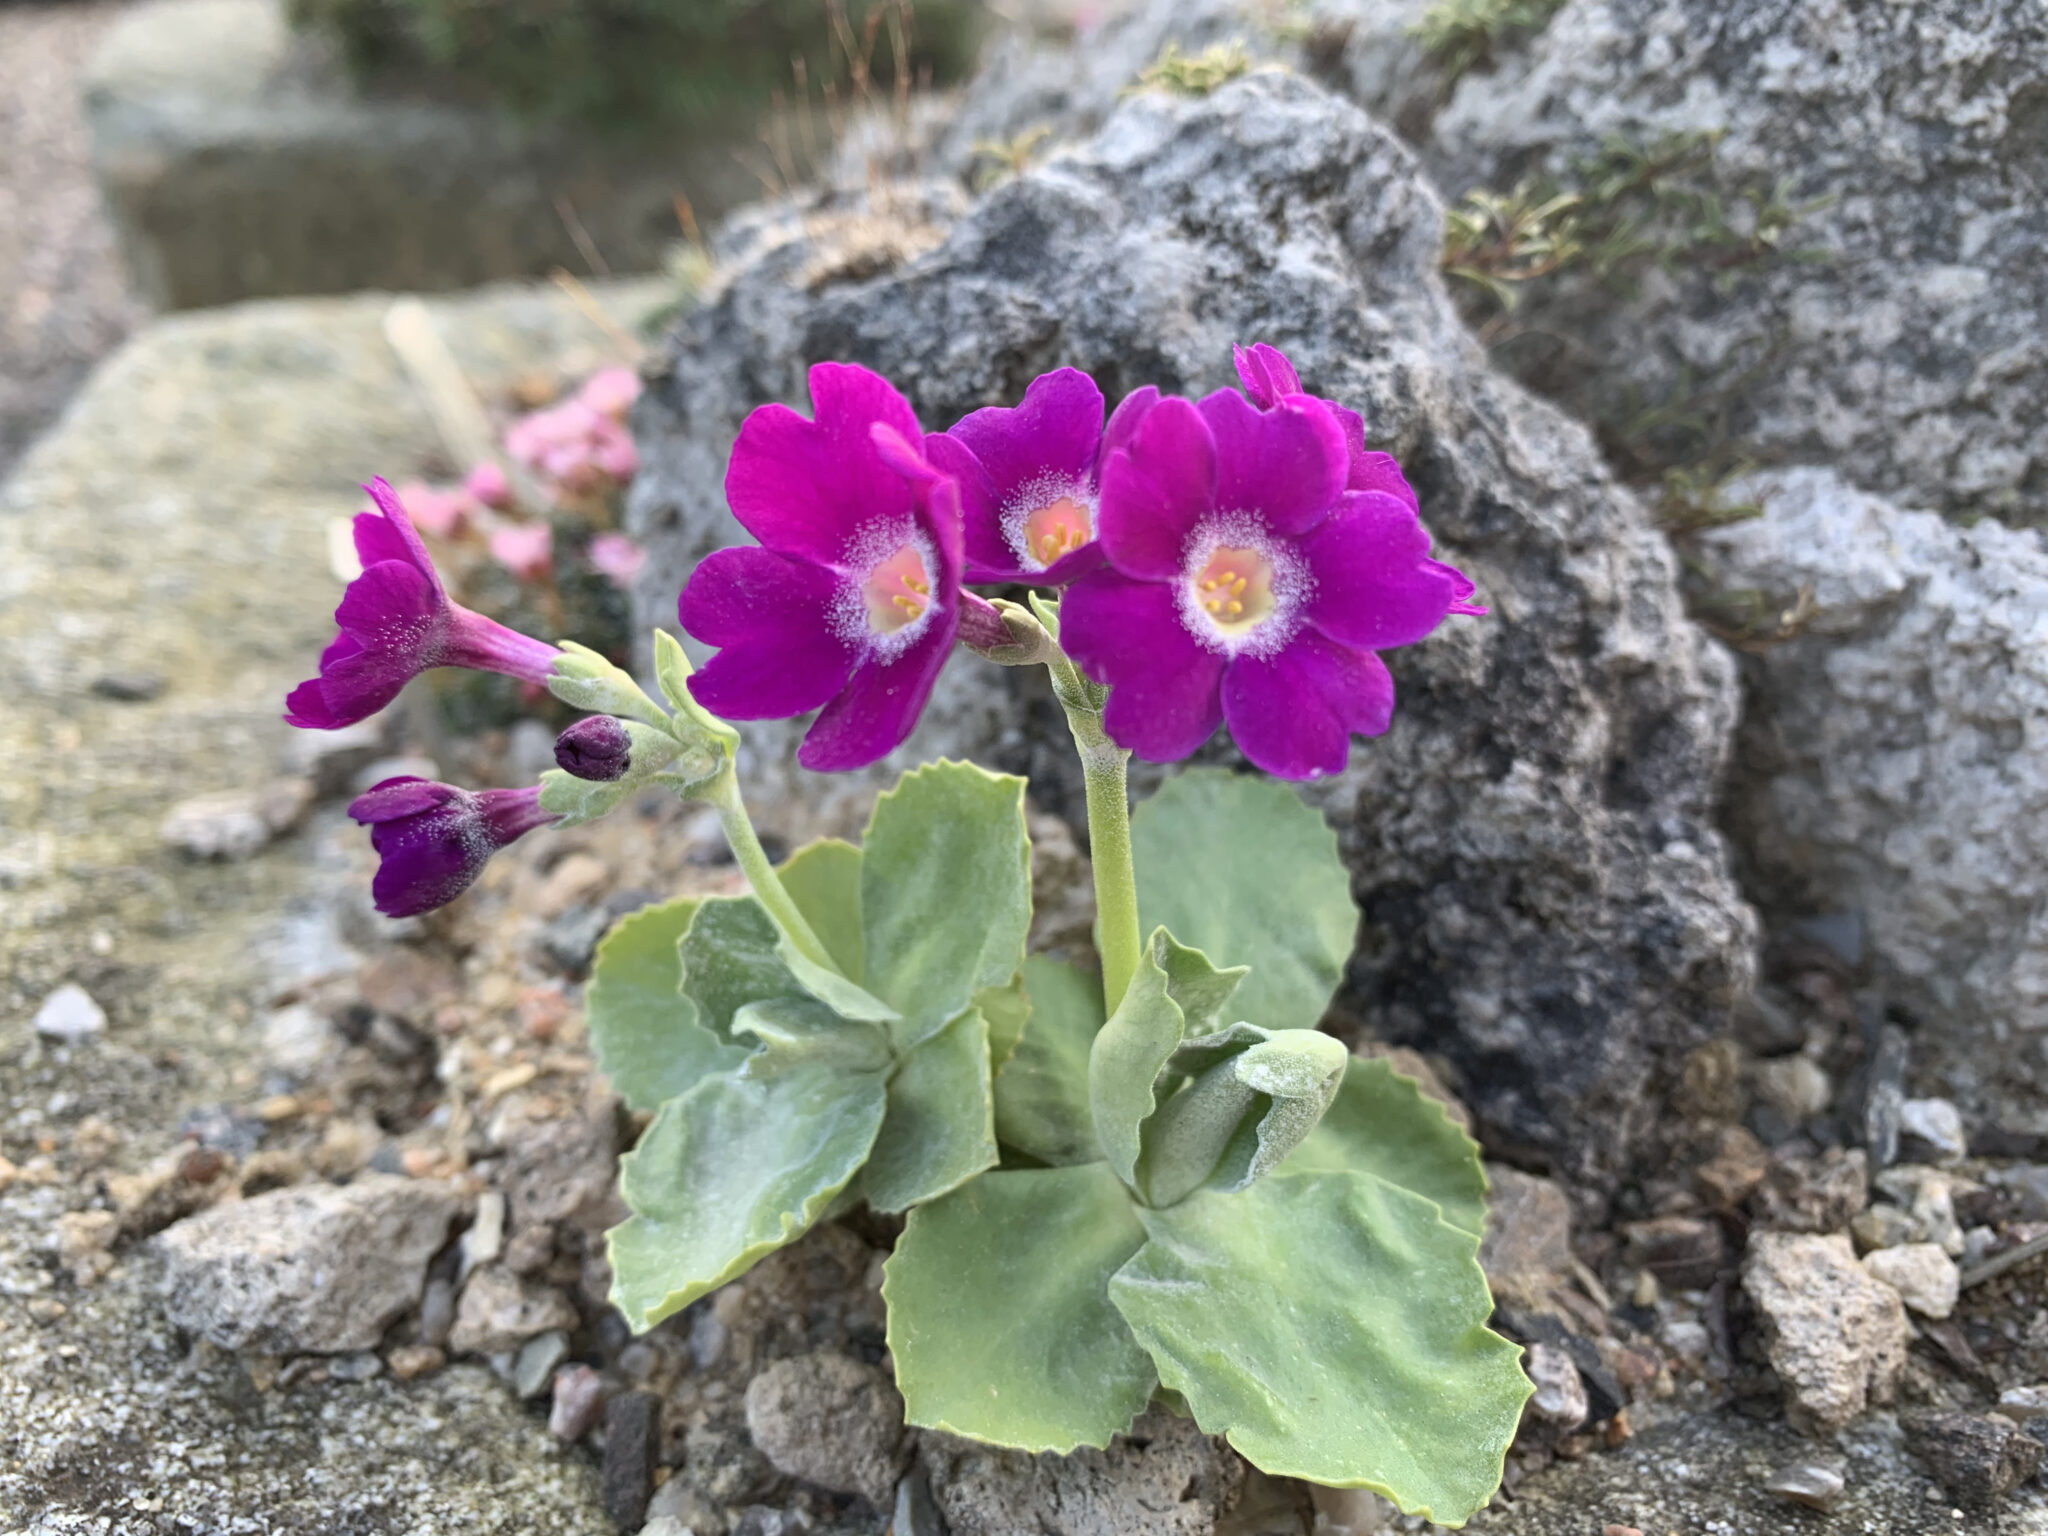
(644, 65)
(1462, 35)
(1196, 74)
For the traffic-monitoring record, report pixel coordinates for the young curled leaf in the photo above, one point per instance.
(801, 1031)
(1241, 1112)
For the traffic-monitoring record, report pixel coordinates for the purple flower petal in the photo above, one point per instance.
(880, 705)
(434, 839)
(1124, 420)
(1377, 472)
(1054, 431)
(388, 533)
(1285, 466)
(989, 556)
(1163, 700)
(1375, 585)
(1156, 492)
(784, 652)
(1293, 715)
(805, 487)
(1267, 375)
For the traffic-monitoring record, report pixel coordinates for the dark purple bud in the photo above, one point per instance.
(433, 840)
(595, 747)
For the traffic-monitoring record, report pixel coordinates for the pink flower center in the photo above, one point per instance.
(896, 591)
(1235, 590)
(1056, 529)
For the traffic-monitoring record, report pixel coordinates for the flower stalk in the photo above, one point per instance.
(1104, 767)
(722, 794)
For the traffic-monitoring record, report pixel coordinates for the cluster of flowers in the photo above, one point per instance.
(1236, 560)
(579, 449)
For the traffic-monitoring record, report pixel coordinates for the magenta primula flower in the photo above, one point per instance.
(396, 622)
(852, 600)
(1246, 583)
(1028, 477)
(433, 840)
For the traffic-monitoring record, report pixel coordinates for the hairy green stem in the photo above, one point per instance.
(1103, 765)
(723, 795)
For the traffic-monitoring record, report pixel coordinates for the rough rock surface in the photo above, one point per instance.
(176, 520)
(1165, 1478)
(500, 1310)
(1835, 1336)
(1976, 1458)
(1527, 1249)
(319, 1267)
(832, 1421)
(1907, 348)
(1925, 1278)
(1894, 755)
(1547, 903)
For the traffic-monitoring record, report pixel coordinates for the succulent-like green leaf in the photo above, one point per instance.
(1042, 1093)
(945, 893)
(1000, 1324)
(577, 801)
(1008, 1011)
(729, 1172)
(645, 1031)
(1193, 981)
(1239, 868)
(730, 958)
(941, 1127)
(1128, 1054)
(1382, 1124)
(823, 879)
(801, 1031)
(833, 989)
(1334, 1328)
(1241, 1114)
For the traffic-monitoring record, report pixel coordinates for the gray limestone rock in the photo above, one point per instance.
(828, 1419)
(1165, 1478)
(318, 1268)
(1547, 902)
(1835, 1335)
(499, 1311)
(1892, 753)
(1904, 344)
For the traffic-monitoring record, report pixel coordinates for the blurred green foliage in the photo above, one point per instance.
(647, 66)
(1461, 35)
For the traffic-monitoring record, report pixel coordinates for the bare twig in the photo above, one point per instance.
(1997, 1265)
(580, 237)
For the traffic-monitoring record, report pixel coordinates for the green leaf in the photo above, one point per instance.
(833, 989)
(801, 1031)
(577, 801)
(1042, 1094)
(672, 670)
(1194, 982)
(645, 1031)
(1382, 1124)
(729, 1172)
(823, 879)
(1000, 1323)
(730, 958)
(945, 892)
(583, 679)
(1008, 1011)
(1127, 1056)
(1241, 1114)
(1239, 868)
(1333, 1327)
(940, 1131)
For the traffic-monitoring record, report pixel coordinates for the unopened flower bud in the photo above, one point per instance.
(595, 748)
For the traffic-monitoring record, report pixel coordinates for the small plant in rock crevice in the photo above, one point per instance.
(1195, 74)
(1152, 1179)
(1459, 36)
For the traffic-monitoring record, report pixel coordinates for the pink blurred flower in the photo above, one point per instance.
(610, 391)
(527, 550)
(441, 513)
(487, 484)
(614, 454)
(617, 557)
(574, 445)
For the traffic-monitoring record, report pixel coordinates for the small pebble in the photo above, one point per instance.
(359, 1367)
(1808, 1483)
(2023, 1403)
(535, 1367)
(1936, 1125)
(410, 1360)
(1925, 1278)
(437, 1313)
(632, 1442)
(225, 825)
(69, 1014)
(579, 1398)
(129, 687)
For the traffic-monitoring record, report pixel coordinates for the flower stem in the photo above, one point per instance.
(723, 794)
(1103, 765)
